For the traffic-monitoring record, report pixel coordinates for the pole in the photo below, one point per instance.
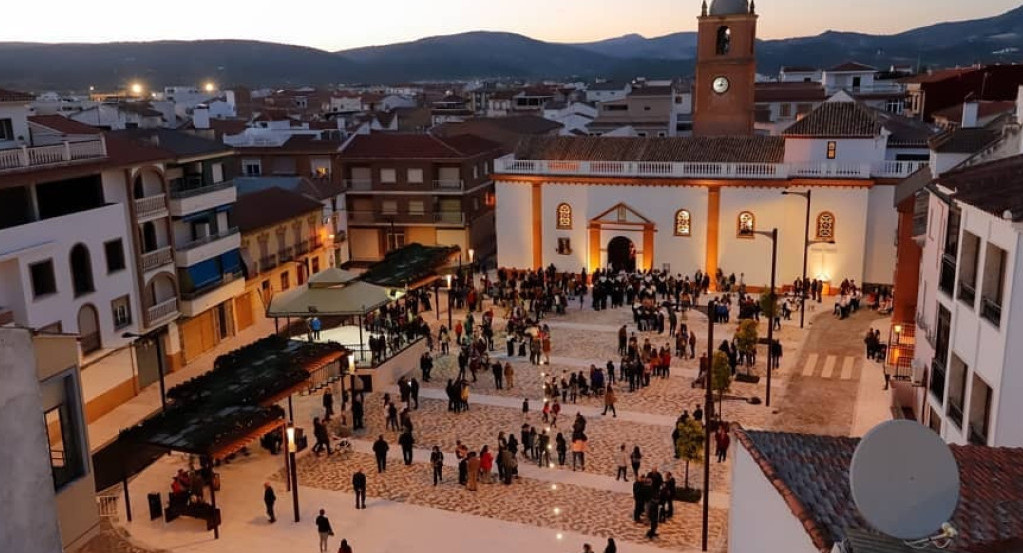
(436, 296)
(291, 411)
(774, 306)
(806, 251)
(159, 367)
(362, 343)
(216, 519)
(709, 409)
(294, 483)
(127, 498)
(450, 304)
(287, 465)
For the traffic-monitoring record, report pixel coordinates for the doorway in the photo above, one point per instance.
(621, 254)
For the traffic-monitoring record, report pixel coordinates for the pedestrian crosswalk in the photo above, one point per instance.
(832, 367)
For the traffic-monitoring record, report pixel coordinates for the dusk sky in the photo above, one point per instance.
(340, 24)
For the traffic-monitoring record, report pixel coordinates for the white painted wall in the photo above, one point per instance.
(881, 233)
(18, 114)
(847, 150)
(514, 220)
(759, 520)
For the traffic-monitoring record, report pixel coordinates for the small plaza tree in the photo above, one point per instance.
(746, 337)
(689, 446)
(721, 377)
(769, 306)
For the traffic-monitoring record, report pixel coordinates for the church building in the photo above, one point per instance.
(710, 201)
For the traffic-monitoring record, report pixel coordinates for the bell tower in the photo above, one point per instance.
(723, 102)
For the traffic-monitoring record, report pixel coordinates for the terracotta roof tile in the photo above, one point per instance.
(964, 141)
(271, 206)
(62, 124)
(837, 120)
(723, 149)
(415, 146)
(984, 109)
(811, 473)
(994, 187)
(15, 96)
(939, 75)
(852, 66)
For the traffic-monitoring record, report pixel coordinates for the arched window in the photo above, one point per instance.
(81, 270)
(724, 42)
(826, 226)
(746, 225)
(564, 216)
(683, 223)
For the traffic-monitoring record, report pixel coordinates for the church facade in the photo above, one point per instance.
(702, 202)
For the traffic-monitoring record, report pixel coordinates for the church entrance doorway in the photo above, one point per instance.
(621, 254)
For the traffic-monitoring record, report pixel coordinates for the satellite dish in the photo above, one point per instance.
(904, 480)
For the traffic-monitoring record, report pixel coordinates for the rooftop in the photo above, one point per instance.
(995, 187)
(811, 473)
(789, 92)
(965, 141)
(850, 67)
(271, 206)
(416, 146)
(62, 124)
(180, 144)
(837, 119)
(985, 109)
(723, 149)
(15, 96)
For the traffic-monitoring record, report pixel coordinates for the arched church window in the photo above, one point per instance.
(724, 42)
(683, 223)
(564, 216)
(826, 226)
(747, 225)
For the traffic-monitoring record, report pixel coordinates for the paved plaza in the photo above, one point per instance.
(824, 385)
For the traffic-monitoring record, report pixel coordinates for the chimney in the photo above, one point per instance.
(201, 117)
(970, 111)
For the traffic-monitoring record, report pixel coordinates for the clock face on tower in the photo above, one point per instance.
(720, 85)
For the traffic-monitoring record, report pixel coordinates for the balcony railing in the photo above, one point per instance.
(955, 411)
(267, 263)
(184, 189)
(947, 278)
(424, 218)
(967, 293)
(991, 310)
(359, 184)
(207, 239)
(302, 247)
(65, 152)
(157, 258)
(449, 217)
(937, 380)
(977, 436)
(285, 255)
(448, 184)
(164, 310)
(668, 169)
(209, 287)
(150, 205)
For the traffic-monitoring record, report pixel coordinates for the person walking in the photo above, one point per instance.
(472, 466)
(611, 547)
(561, 444)
(622, 461)
(359, 485)
(652, 508)
(269, 498)
(328, 404)
(406, 441)
(509, 375)
(722, 441)
(345, 548)
(323, 529)
(609, 401)
(437, 462)
(579, 451)
(322, 437)
(636, 458)
(413, 387)
(380, 448)
(357, 412)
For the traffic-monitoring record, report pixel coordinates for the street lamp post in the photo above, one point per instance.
(159, 364)
(709, 411)
(773, 235)
(450, 303)
(293, 477)
(806, 249)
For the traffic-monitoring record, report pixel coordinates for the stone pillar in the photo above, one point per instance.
(713, 232)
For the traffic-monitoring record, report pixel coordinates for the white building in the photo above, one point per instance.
(607, 91)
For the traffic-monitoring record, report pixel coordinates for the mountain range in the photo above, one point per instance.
(481, 54)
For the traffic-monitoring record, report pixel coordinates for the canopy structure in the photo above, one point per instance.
(413, 266)
(322, 298)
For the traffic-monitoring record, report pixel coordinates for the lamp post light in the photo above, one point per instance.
(773, 235)
(806, 249)
(293, 477)
(159, 363)
(708, 408)
(450, 303)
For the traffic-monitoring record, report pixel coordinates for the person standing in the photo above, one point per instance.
(472, 465)
(357, 412)
(359, 485)
(345, 548)
(322, 438)
(509, 375)
(722, 441)
(622, 461)
(611, 547)
(426, 365)
(652, 507)
(413, 387)
(579, 451)
(315, 325)
(323, 529)
(406, 441)
(380, 448)
(328, 404)
(269, 498)
(561, 444)
(498, 371)
(636, 458)
(437, 462)
(638, 498)
(609, 401)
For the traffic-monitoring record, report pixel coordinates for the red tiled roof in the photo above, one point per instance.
(125, 151)
(228, 126)
(62, 124)
(415, 146)
(984, 109)
(851, 66)
(939, 75)
(15, 96)
(994, 187)
(271, 206)
(836, 120)
(811, 473)
(718, 149)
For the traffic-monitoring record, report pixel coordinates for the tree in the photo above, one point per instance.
(746, 338)
(689, 443)
(769, 306)
(721, 377)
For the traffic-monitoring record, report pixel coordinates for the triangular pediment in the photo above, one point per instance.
(621, 214)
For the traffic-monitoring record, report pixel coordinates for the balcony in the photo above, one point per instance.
(201, 299)
(967, 293)
(991, 311)
(267, 263)
(161, 312)
(937, 383)
(188, 200)
(377, 218)
(285, 255)
(207, 247)
(448, 184)
(157, 258)
(151, 207)
(55, 154)
(449, 217)
(359, 184)
(947, 278)
(955, 411)
(302, 248)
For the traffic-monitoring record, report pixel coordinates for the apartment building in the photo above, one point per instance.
(283, 242)
(405, 188)
(969, 309)
(49, 492)
(650, 110)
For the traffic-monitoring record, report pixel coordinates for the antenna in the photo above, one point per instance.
(905, 482)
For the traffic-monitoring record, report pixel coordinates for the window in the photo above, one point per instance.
(724, 41)
(564, 246)
(969, 255)
(857, 81)
(285, 280)
(994, 282)
(114, 251)
(957, 371)
(832, 149)
(825, 226)
(785, 110)
(746, 225)
(641, 134)
(81, 270)
(416, 207)
(63, 431)
(661, 134)
(251, 167)
(564, 216)
(44, 282)
(395, 239)
(893, 106)
(322, 172)
(389, 207)
(121, 308)
(388, 176)
(683, 221)
(6, 129)
(415, 176)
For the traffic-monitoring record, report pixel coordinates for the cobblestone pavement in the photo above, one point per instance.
(528, 501)
(113, 540)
